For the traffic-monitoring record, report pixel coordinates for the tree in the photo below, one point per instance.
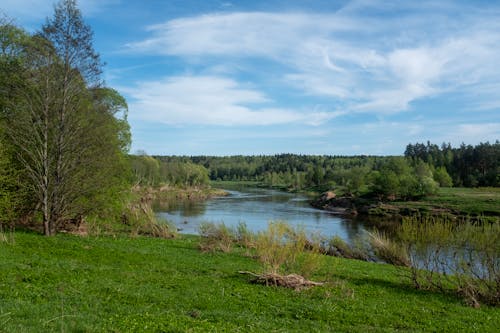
(71, 143)
(442, 177)
(12, 196)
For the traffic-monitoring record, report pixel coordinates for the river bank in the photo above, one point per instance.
(168, 192)
(457, 203)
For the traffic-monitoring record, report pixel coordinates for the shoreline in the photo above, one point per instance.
(435, 206)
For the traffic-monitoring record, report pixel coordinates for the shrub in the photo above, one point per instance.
(216, 237)
(388, 250)
(282, 249)
(245, 237)
(458, 255)
(339, 248)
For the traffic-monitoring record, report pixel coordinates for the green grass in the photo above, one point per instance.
(467, 201)
(72, 284)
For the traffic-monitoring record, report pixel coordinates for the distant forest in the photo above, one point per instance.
(422, 169)
(468, 166)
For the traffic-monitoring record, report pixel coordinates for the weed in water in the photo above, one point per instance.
(447, 255)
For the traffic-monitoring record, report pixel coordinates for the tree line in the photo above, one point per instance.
(150, 171)
(422, 169)
(388, 177)
(468, 165)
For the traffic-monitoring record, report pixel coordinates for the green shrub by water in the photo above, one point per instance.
(445, 254)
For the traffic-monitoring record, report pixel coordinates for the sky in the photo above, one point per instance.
(319, 77)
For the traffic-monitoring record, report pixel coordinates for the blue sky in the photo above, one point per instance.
(310, 77)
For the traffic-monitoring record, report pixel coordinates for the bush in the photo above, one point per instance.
(447, 254)
(216, 237)
(339, 248)
(388, 250)
(282, 249)
(442, 177)
(142, 220)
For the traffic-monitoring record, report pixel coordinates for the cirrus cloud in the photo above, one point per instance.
(367, 62)
(211, 100)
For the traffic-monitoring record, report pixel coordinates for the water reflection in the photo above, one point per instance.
(256, 207)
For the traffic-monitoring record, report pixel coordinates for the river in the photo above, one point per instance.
(256, 207)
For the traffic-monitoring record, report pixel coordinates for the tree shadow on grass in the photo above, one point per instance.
(404, 288)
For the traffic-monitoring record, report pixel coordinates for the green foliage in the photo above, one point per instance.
(145, 169)
(184, 174)
(446, 255)
(442, 177)
(385, 177)
(394, 178)
(11, 196)
(467, 165)
(283, 249)
(151, 171)
(423, 169)
(67, 134)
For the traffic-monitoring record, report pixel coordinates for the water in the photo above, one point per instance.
(256, 207)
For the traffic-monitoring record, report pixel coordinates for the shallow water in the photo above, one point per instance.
(256, 207)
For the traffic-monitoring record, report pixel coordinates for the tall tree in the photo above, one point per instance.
(71, 142)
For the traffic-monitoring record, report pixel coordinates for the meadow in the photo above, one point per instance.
(69, 283)
(481, 201)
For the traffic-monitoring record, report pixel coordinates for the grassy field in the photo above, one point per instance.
(473, 201)
(72, 284)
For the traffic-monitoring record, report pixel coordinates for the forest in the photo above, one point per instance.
(422, 169)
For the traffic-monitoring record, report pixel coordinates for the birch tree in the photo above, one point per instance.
(70, 141)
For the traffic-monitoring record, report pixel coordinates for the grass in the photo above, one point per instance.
(72, 284)
(467, 201)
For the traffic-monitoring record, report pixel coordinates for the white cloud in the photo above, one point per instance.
(210, 100)
(369, 63)
(240, 34)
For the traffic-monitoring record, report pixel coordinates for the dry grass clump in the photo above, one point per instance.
(339, 248)
(244, 237)
(387, 250)
(287, 251)
(216, 237)
(293, 281)
(219, 237)
(7, 237)
(143, 221)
